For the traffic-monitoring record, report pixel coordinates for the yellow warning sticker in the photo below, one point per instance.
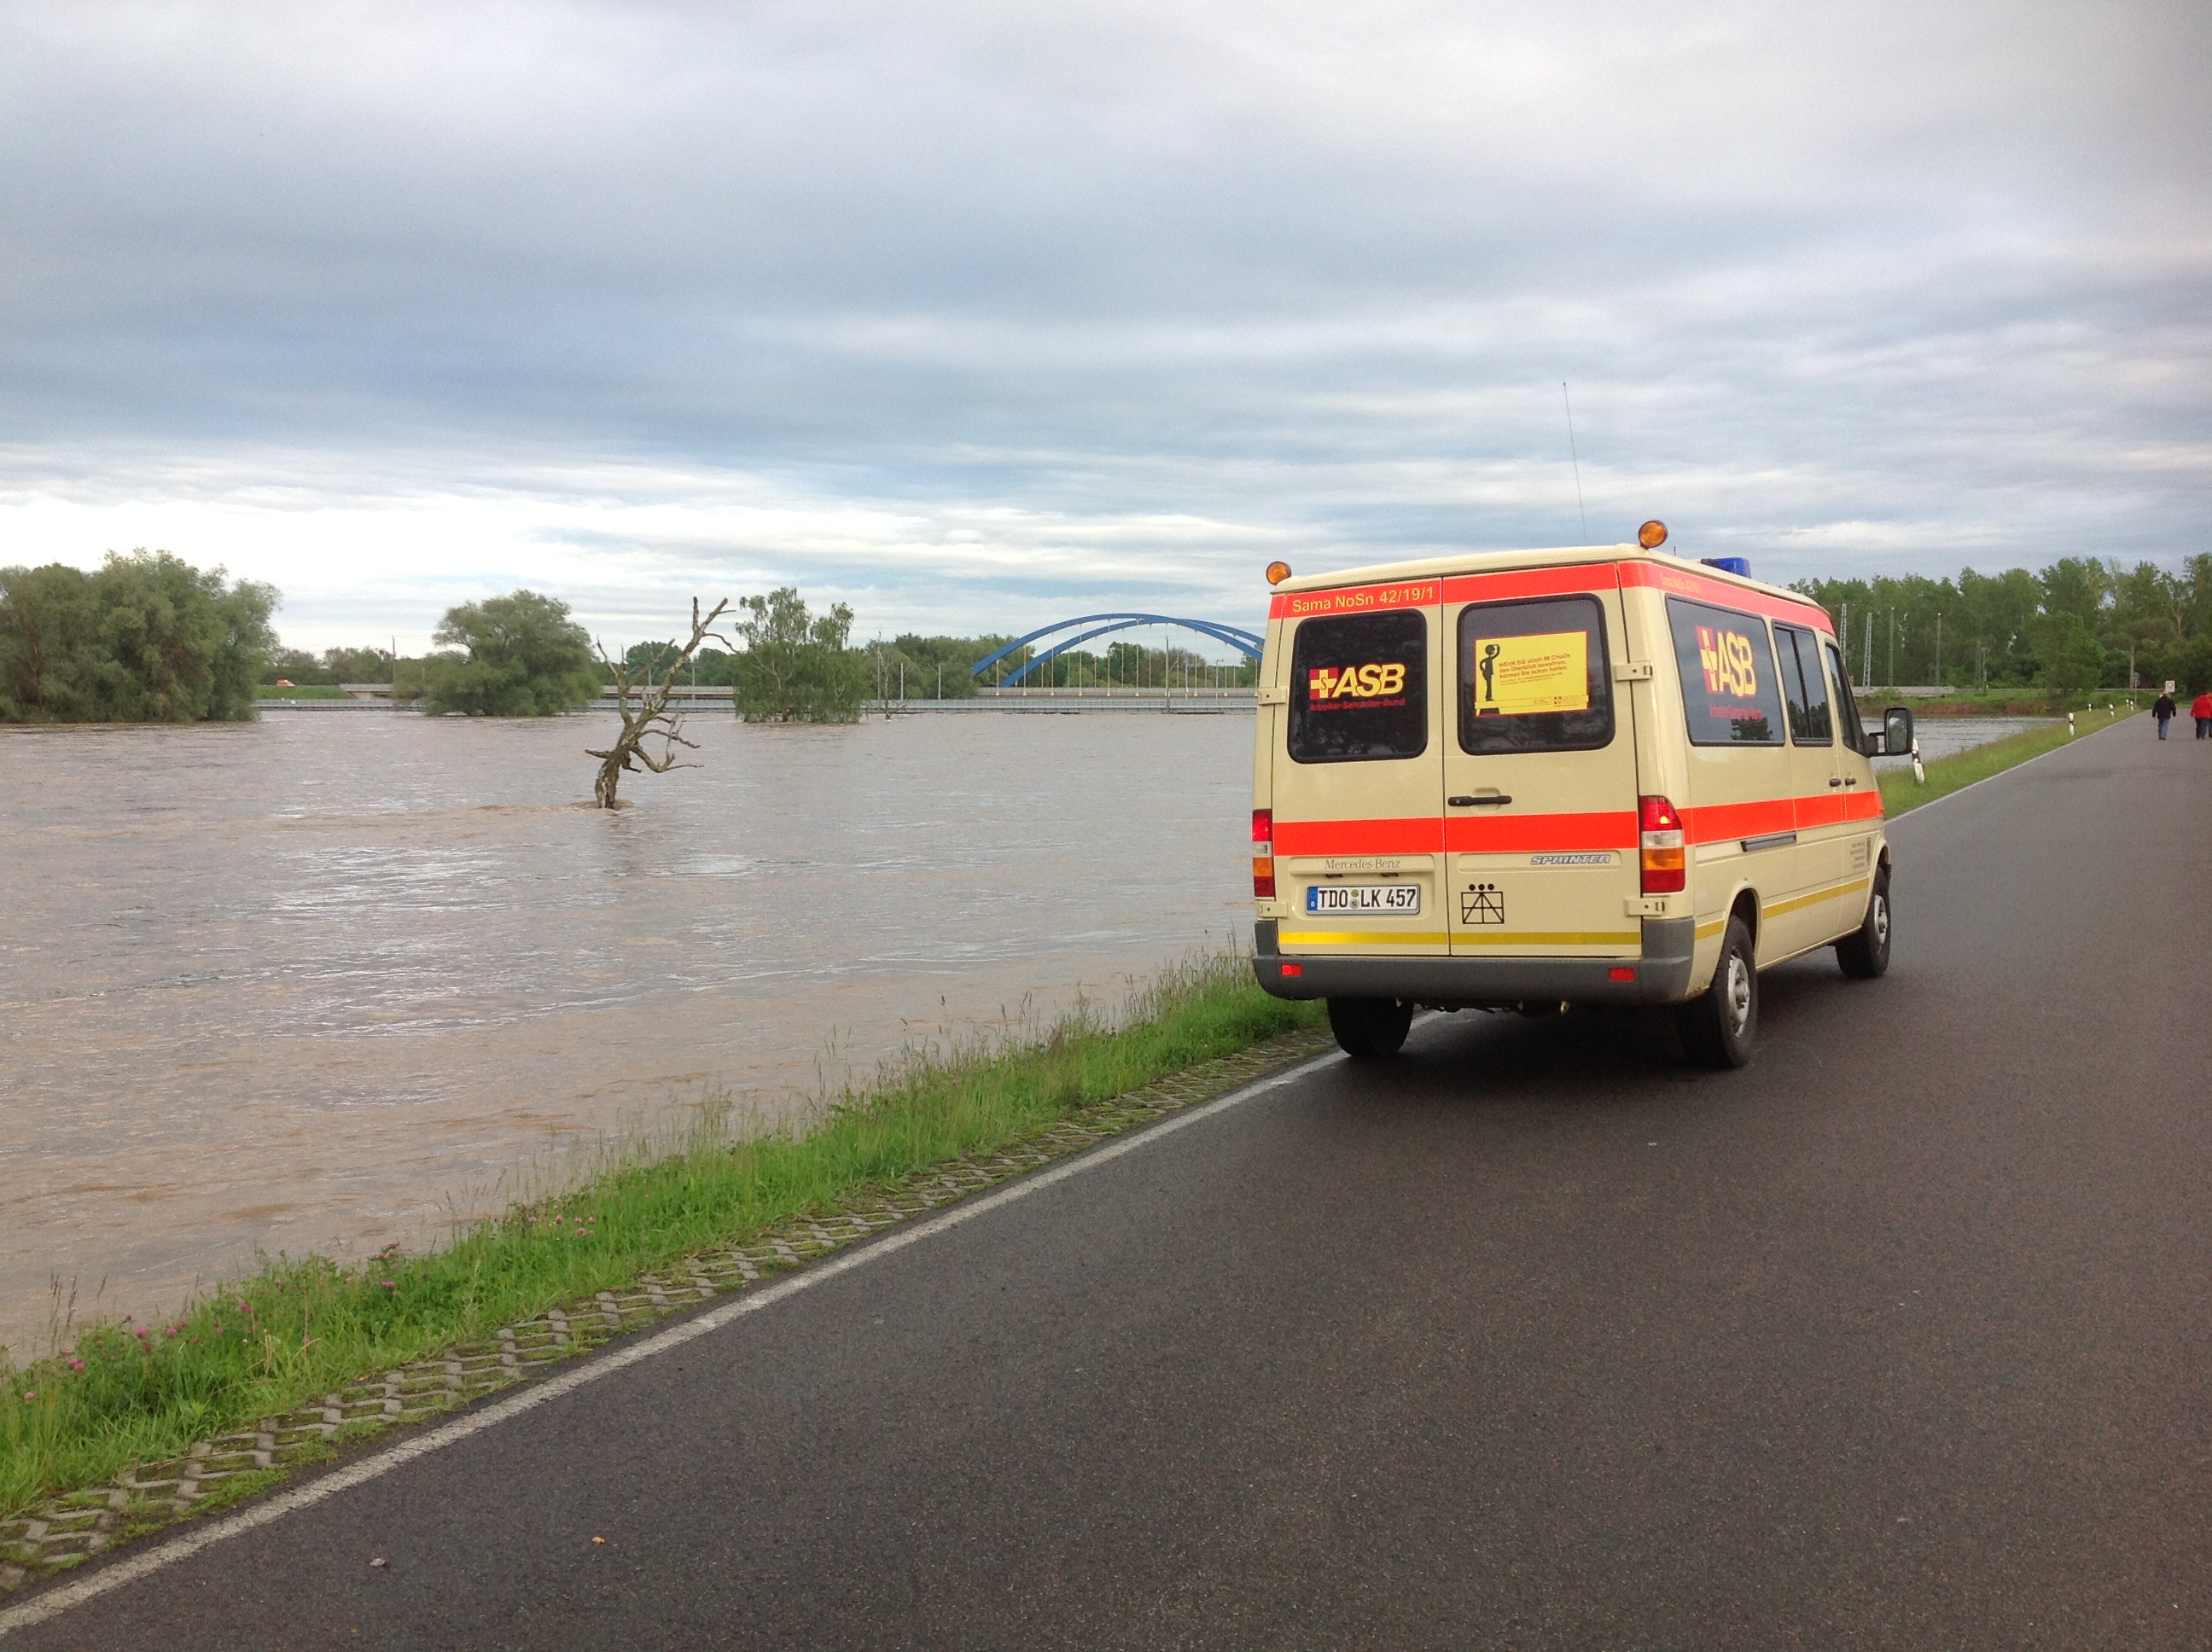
(1518, 677)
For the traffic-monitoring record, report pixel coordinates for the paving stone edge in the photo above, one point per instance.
(67, 1530)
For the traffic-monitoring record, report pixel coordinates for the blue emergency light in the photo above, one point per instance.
(1728, 564)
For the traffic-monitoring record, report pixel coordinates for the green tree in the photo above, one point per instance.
(1998, 608)
(50, 652)
(795, 668)
(295, 665)
(707, 668)
(525, 657)
(2071, 657)
(357, 664)
(147, 639)
(2075, 585)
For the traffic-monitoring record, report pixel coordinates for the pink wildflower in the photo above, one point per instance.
(76, 1364)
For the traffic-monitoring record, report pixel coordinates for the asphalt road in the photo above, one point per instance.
(1533, 1337)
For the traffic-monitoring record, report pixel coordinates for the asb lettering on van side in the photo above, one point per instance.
(1374, 681)
(1726, 658)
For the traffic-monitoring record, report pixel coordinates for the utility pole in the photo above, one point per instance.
(1866, 654)
(1939, 645)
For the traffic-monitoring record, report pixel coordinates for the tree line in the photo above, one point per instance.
(2079, 626)
(148, 638)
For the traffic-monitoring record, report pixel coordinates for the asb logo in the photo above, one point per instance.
(1360, 682)
(1727, 658)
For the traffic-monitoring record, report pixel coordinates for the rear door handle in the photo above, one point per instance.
(1837, 782)
(1492, 802)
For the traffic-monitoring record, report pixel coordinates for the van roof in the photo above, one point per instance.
(1491, 562)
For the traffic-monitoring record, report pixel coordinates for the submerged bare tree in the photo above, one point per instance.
(651, 717)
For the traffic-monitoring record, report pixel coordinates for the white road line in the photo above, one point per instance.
(57, 1601)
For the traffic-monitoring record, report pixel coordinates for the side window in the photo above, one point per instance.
(1359, 688)
(1729, 689)
(1847, 709)
(1535, 676)
(1804, 688)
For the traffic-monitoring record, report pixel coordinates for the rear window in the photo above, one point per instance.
(1534, 677)
(1729, 688)
(1359, 688)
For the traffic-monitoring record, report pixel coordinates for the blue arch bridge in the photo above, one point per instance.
(1248, 643)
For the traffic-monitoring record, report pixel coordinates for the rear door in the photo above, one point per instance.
(1540, 767)
(1358, 782)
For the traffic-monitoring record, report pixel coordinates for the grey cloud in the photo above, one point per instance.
(1879, 285)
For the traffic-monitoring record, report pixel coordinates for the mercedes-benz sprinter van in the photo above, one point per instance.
(1535, 779)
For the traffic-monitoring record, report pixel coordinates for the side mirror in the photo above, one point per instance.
(1896, 731)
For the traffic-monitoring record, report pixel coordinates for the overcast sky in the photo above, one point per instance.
(975, 316)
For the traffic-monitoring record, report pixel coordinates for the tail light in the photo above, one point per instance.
(1664, 859)
(1263, 854)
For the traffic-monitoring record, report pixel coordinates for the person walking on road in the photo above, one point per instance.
(2162, 708)
(2202, 711)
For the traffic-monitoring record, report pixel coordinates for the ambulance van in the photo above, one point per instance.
(1530, 779)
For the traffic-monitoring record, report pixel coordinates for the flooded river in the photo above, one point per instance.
(326, 980)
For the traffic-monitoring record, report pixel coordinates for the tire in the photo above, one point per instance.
(1719, 1025)
(1370, 1028)
(1864, 953)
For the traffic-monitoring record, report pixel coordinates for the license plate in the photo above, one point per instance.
(1396, 899)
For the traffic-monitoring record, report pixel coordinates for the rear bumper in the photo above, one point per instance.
(1661, 974)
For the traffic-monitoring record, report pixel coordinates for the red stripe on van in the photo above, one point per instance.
(1727, 596)
(1827, 808)
(1536, 834)
(1420, 835)
(1718, 821)
(1519, 834)
(1533, 582)
(1356, 599)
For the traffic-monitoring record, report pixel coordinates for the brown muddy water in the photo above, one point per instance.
(327, 980)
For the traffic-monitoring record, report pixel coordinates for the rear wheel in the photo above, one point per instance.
(1864, 953)
(1718, 1026)
(1369, 1028)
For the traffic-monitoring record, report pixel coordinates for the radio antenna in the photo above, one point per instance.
(1575, 458)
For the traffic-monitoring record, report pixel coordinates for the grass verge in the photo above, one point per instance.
(127, 1394)
(1901, 793)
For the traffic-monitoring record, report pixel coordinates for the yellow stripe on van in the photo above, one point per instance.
(1802, 900)
(1359, 938)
